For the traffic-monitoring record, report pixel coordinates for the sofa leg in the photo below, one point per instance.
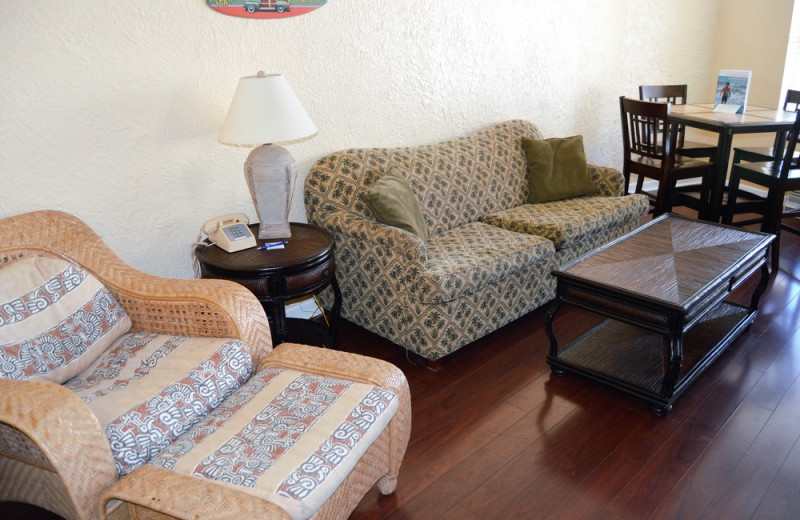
(433, 365)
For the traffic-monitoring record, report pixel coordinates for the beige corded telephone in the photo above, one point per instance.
(230, 232)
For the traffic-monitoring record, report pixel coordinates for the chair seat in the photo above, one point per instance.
(286, 437)
(765, 171)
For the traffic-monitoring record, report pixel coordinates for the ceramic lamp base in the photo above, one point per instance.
(271, 171)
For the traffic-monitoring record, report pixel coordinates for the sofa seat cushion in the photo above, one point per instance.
(55, 319)
(572, 220)
(287, 437)
(466, 259)
(148, 389)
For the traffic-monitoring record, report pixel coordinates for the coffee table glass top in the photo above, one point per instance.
(671, 259)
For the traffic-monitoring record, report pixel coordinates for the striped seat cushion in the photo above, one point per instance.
(148, 389)
(287, 437)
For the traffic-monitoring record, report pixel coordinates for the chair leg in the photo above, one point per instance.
(663, 201)
(730, 207)
(772, 223)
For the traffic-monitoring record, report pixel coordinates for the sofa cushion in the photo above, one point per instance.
(466, 259)
(147, 389)
(55, 319)
(392, 202)
(288, 437)
(557, 168)
(568, 221)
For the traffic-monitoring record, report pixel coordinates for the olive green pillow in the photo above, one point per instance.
(392, 202)
(557, 168)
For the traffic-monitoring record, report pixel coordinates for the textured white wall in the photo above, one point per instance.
(111, 110)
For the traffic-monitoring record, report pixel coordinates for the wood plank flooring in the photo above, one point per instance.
(496, 436)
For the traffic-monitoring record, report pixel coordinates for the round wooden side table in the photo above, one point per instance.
(305, 266)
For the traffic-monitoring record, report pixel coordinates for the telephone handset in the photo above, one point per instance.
(230, 232)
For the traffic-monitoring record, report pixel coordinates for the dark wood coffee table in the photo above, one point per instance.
(661, 290)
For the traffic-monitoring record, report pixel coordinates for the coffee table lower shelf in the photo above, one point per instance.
(634, 360)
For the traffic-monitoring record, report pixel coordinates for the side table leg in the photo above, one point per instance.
(335, 310)
(276, 313)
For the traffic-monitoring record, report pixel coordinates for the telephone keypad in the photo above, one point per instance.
(236, 232)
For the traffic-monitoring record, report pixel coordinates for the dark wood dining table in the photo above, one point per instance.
(754, 120)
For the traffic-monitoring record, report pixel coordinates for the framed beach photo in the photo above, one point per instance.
(732, 89)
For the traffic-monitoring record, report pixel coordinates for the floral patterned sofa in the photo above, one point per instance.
(489, 253)
(127, 395)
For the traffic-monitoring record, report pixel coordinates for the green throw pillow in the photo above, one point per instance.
(392, 202)
(557, 168)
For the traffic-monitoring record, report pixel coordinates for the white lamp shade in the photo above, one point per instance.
(265, 110)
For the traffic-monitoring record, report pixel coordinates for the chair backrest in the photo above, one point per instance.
(789, 161)
(645, 129)
(675, 94)
(792, 100)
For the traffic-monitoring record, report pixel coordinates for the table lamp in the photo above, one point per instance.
(264, 113)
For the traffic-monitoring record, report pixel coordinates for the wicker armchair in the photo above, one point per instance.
(53, 450)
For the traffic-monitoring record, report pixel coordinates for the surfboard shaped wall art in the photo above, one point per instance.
(265, 8)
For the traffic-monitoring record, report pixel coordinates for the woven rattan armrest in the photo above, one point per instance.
(153, 492)
(68, 441)
(216, 308)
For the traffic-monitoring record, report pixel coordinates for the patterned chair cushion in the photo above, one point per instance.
(55, 319)
(568, 221)
(464, 260)
(148, 389)
(287, 437)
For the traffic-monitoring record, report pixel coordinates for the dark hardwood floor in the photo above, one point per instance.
(496, 436)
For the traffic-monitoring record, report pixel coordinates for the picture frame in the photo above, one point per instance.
(733, 87)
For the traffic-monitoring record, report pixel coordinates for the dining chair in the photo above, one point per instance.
(676, 95)
(767, 153)
(648, 152)
(776, 178)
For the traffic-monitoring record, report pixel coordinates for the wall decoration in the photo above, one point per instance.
(265, 8)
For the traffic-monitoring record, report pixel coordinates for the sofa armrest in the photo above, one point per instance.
(609, 181)
(51, 436)
(361, 229)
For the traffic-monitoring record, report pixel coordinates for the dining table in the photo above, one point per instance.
(754, 119)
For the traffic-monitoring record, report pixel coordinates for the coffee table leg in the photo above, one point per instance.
(762, 286)
(548, 327)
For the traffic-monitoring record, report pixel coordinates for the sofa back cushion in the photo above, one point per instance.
(455, 181)
(55, 319)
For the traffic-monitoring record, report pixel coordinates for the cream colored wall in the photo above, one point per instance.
(110, 110)
(753, 35)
